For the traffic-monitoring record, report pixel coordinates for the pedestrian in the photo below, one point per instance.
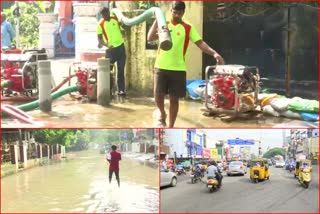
(164, 164)
(114, 159)
(110, 36)
(7, 32)
(170, 66)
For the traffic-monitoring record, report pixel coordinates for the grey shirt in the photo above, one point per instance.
(212, 171)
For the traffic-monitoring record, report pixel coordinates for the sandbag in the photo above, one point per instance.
(265, 100)
(290, 114)
(269, 110)
(280, 104)
(304, 105)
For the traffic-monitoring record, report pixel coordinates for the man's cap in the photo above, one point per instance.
(178, 5)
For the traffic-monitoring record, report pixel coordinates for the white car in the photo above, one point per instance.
(167, 178)
(236, 167)
(280, 164)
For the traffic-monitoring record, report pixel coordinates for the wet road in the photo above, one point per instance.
(135, 112)
(282, 193)
(81, 185)
(141, 112)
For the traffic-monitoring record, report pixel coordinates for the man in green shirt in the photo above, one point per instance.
(170, 66)
(109, 35)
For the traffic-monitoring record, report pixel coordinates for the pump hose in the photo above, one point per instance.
(163, 31)
(55, 95)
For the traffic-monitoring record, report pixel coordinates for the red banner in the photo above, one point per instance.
(206, 153)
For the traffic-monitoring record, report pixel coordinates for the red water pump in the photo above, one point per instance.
(86, 79)
(224, 96)
(18, 79)
(19, 71)
(231, 88)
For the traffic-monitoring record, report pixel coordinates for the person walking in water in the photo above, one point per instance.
(113, 158)
(171, 66)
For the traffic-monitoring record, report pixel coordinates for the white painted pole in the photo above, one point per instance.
(17, 27)
(103, 88)
(45, 100)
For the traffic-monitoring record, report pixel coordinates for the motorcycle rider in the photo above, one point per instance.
(291, 165)
(197, 171)
(213, 172)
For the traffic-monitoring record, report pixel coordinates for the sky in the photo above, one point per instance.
(268, 137)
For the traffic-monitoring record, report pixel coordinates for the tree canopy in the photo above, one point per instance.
(273, 152)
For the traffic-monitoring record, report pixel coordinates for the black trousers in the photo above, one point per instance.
(118, 55)
(116, 172)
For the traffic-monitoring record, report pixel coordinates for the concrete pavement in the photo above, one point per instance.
(282, 193)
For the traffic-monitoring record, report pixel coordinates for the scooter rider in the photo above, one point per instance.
(213, 172)
(219, 174)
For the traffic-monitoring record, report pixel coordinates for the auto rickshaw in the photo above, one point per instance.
(303, 171)
(259, 170)
(300, 164)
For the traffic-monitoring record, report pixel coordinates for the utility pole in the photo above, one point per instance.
(260, 151)
(17, 23)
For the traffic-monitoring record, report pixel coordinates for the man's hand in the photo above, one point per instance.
(100, 45)
(219, 59)
(109, 46)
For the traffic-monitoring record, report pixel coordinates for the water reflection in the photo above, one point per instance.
(81, 185)
(141, 112)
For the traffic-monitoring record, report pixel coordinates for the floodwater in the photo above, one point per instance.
(81, 185)
(141, 112)
(136, 112)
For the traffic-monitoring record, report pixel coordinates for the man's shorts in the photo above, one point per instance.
(170, 82)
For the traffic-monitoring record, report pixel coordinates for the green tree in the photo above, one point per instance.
(28, 24)
(273, 152)
(145, 4)
(63, 137)
(110, 136)
(81, 140)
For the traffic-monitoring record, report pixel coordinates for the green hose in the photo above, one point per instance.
(163, 32)
(55, 95)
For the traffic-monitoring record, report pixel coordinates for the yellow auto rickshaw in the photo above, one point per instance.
(259, 170)
(302, 164)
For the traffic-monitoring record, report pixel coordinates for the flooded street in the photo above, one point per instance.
(140, 111)
(81, 185)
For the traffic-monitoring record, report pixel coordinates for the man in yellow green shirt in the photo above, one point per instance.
(109, 35)
(170, 66)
